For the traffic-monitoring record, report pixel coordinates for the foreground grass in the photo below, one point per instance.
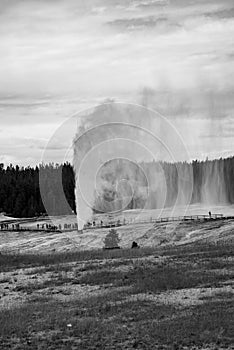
(16, 261)
(114, 320)
(94, 324)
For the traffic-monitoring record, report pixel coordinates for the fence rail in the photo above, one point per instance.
(19, 226)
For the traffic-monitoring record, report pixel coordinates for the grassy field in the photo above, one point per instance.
(149, 298)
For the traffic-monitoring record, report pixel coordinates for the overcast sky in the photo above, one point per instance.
(58, 57)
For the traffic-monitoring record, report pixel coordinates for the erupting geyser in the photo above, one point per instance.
(128, 157)
(117, 154)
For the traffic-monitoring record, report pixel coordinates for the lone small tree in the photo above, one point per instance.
(112, 240)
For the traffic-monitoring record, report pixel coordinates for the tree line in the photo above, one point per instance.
(20, 189)
(213, 182)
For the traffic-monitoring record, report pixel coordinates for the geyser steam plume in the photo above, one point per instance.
(112, 143)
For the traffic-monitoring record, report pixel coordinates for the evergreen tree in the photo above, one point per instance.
(112, 240)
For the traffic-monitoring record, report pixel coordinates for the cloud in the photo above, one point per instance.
(61, 56)
(140, 23)
(222, 14)
(220, 131)
(151, 3)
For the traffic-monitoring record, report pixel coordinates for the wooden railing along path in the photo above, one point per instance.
(18, 226)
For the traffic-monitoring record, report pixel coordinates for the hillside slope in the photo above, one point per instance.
(150, 234)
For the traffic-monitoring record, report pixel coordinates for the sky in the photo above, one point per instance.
(59, 57)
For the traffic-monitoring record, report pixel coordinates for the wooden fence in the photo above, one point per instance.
(18, 226)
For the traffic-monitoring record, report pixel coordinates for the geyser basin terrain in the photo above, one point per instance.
(147, 235)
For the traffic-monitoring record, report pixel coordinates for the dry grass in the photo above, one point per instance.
(174, 298)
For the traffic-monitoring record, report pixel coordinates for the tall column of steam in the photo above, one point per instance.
(81, 146)
(112, 141)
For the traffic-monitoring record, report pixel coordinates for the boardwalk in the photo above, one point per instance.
(156, 220)
(16, 225)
